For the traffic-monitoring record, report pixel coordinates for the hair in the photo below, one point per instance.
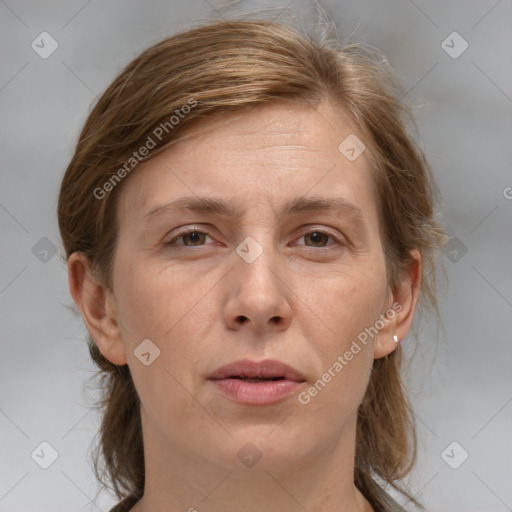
(226, 66)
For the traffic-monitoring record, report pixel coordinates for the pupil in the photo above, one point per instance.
(316, 237)
(194, 236)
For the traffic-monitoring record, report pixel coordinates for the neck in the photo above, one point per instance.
(176, 479)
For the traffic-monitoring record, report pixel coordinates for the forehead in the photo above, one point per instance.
(285, 125)
(277, 151)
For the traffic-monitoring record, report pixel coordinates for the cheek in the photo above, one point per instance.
(348, 303)
(153, 300)
(161, 307)
(174, 309)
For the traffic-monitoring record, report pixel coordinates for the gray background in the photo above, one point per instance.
(461, 384)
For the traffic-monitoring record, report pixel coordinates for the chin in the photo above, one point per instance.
(263, 448)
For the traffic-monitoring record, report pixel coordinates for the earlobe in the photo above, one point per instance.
(97, 307)
(404, 300)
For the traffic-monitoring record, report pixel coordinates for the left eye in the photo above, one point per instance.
(317, 238)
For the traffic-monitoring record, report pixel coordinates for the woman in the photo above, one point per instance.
(249, 232)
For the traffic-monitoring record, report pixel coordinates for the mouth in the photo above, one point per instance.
(256, 383)
(266, 370)
(256, 379)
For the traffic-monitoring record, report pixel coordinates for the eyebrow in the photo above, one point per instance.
(228, 209)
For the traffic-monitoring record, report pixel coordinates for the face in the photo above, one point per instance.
(282, 272)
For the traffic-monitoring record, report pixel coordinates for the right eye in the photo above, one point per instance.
(194, 236)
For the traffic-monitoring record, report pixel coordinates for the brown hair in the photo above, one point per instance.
(232, 65)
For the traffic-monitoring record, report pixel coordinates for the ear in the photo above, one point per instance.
(97, 306)
(400, 310)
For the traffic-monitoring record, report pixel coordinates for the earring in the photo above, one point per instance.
(395, 338)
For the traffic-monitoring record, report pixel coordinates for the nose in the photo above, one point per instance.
(258, 296)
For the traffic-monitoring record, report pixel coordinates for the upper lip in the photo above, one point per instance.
(265, 369)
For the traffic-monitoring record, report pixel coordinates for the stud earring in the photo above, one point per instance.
(395, 338)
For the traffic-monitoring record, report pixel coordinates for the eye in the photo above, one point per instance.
(318, 238)
(194, 236)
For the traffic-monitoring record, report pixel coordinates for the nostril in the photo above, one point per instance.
(242, 319)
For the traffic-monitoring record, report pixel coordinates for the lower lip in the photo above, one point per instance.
(256, 393)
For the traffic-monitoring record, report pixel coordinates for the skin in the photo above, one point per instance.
(304, 299)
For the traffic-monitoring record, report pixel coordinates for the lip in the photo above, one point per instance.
(228, 380)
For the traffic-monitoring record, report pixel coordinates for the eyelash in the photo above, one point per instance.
(172, 243)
